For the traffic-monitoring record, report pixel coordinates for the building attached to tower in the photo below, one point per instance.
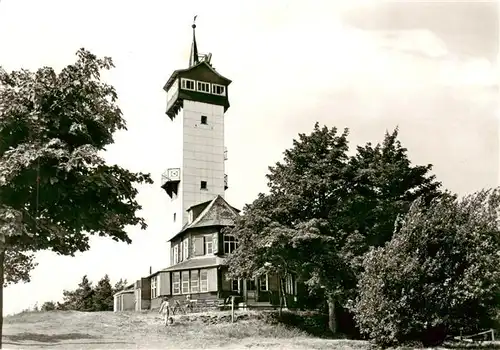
(195, 181)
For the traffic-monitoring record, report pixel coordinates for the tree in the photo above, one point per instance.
(80, 299)
(120, 285)
(55, 187)
(18, 264)
(325, 209)
(84, 295)
(439, 275)
(103, 295)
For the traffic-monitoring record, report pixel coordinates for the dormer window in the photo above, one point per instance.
(203, 87)
(218, 90)
(188, 84)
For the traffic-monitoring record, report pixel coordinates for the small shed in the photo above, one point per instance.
(124, 301)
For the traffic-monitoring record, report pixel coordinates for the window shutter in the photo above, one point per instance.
(215, 243)
(198, 246)
(212, 280)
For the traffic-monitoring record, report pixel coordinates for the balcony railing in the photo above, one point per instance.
(171, 175)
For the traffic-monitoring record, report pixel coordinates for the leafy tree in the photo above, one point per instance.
(103, 295)
(55, 188)
(439, 275)
(18, 264)
(325, 209)
(48, 306)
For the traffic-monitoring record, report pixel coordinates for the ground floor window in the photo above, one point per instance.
(235, 285)
(203, 280)
(194, 281)
(154, 289)
(264, 283)
(176, 283)
(185, 282)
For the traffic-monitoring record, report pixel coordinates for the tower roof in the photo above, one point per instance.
(195, 62)
(193, 57)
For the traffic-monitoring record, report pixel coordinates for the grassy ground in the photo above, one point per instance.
(99, 330)
(129, 330)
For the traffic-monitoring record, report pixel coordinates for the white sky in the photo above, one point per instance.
(358, 64)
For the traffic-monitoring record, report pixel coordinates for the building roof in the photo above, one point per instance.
(176, 73)
(125, 291)
(195, 263)
(217, 213)
(205, 204)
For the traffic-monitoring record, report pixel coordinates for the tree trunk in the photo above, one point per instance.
(332, 320)
(283, 294)
(280, 296)
(2, 261)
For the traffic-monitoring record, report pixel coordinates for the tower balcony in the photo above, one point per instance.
(170, 180)
(225, 182)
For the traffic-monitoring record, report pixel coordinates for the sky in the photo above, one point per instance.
(429, 68)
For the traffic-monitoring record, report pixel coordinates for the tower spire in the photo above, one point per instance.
(193, 58)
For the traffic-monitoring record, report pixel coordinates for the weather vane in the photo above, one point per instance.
(194, 21)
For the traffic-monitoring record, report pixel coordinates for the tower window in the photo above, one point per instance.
(218, 89)
(187, 84)
(203, 185)
(204, 119)
(203, 87)
(175, 214)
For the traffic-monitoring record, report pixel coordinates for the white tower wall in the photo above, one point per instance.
(202, 154)
(201, 158)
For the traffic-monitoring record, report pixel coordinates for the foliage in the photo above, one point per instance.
(120, 285)
(325, 209)
(17, 266)
(81, 299)
(48, 306)
(91, 298)
(54, 185)
(439, 275)
(103, 295)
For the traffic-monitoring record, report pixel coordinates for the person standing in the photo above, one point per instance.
(165, 310)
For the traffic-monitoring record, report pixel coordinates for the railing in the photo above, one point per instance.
(171, 174)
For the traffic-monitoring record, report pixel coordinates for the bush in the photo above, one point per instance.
(439, 275)
(48, 306)
(312, 323)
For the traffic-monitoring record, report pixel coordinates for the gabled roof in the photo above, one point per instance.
(205, 204)
(217, 213)
(176, 73)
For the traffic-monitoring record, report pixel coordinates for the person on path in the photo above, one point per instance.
(165, 310)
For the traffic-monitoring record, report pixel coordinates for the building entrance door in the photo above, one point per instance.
(251, 290)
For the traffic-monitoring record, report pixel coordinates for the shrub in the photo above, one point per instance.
(439, 275)
(48, 306)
